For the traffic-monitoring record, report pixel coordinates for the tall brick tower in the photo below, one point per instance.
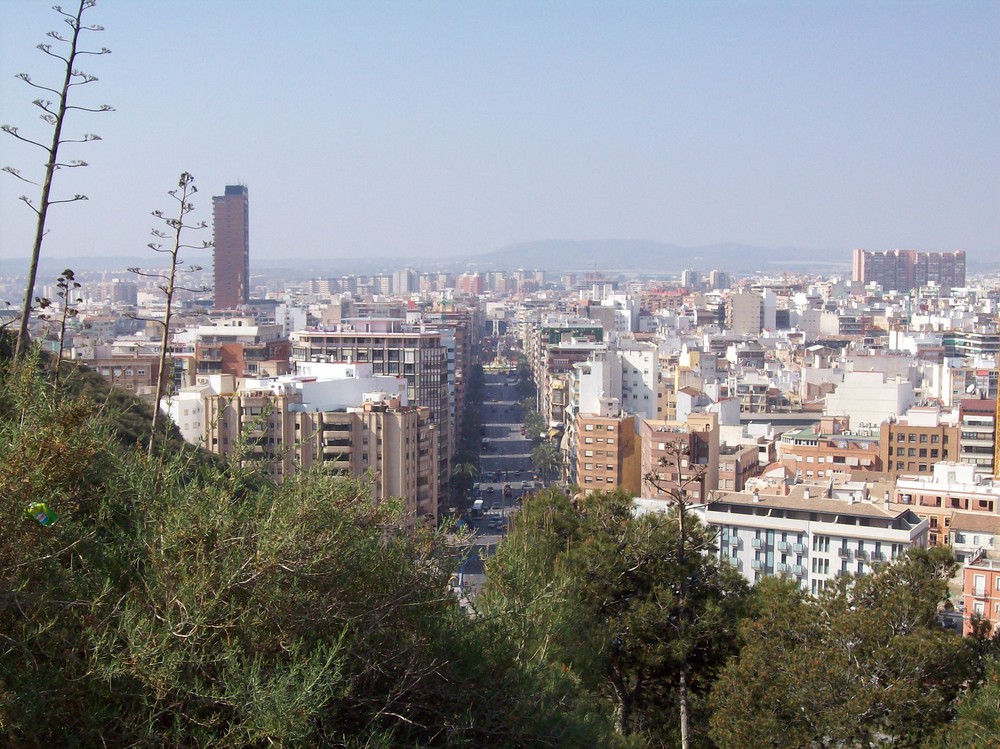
(232, 247)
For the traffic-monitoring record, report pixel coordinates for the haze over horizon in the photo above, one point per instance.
(440, 129)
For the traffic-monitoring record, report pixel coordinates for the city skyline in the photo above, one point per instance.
(390, 130)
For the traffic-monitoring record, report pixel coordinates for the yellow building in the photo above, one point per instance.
(396, 446)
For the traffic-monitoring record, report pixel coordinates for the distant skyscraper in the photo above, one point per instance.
(232, 247)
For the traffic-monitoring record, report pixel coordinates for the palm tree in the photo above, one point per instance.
(465, 475)
(547, 459)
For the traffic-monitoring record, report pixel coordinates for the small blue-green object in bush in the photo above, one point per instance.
(41, 512)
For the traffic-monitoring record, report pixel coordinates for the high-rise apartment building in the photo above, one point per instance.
(691, 279)
(718, 279)
(231, 213)
(392, 347)
(293, 425)
(905, 270)
(745, 313)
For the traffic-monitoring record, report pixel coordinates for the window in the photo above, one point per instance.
(923, 439)
(142, 372)
(935, 439)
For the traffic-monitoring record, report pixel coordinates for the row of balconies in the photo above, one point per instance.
(760, 543)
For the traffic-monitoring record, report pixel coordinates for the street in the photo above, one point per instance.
(505, 474)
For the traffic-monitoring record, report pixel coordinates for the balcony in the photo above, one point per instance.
(756, 564)
(844, 553)
(757, 543)
(783, 546)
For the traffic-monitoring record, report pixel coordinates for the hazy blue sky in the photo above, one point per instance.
(443, 128)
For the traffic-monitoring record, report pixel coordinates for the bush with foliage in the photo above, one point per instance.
(180, 601)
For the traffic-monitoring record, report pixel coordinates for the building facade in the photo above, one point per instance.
(923, 436)
(607, 454)
(812, 535)
(952, 487)
(392, 347)
(391, 445)
(905, 270)
(981, 593)
(231, 214)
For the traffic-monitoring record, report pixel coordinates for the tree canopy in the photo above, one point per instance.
(864, 664)
(590, 588)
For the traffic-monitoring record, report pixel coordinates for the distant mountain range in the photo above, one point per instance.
(555, 255)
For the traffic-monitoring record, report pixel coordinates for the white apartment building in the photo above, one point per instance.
(953, 487)
(869, 398)
(808, 538)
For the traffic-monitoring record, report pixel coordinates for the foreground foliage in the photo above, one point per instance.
(864, 665)
(592, 590)
(179, 602)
